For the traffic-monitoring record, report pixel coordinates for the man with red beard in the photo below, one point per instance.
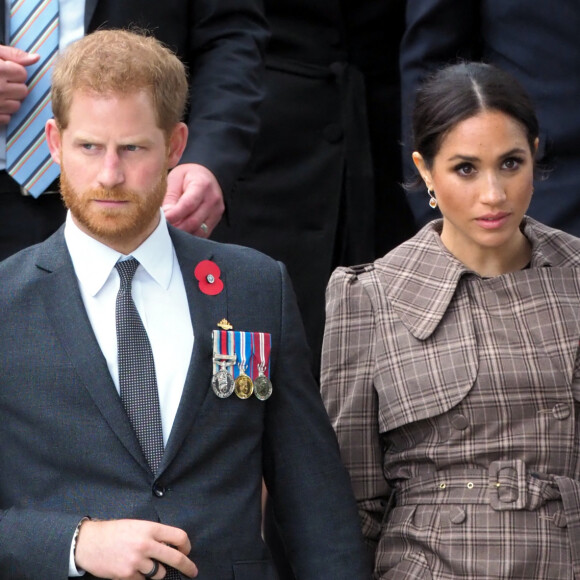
(128, 448)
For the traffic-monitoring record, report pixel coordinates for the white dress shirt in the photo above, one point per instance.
(159, 295)
(160, 299)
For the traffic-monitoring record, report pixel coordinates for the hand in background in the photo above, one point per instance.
(193, 198)
(13, 77)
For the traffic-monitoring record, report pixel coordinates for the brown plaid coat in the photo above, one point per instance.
(455, 399)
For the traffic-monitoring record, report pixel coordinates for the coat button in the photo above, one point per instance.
(337, 68)
(158, 490)
(561, 411)
(460, 422)
(332, 133)
(559, 519)
(457, 515)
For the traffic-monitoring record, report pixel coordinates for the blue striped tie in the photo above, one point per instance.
(33, 28)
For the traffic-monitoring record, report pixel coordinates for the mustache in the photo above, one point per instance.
(111, 194)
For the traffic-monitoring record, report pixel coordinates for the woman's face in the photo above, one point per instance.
(482, 178)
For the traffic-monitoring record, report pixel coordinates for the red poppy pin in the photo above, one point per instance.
(208, 275)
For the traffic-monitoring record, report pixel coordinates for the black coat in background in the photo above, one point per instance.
(330, 119)
(539, 43)
(219, 42)
(222, 42)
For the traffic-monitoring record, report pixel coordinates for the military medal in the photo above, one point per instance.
(262, 387)
(262, 384)
(222, 381)
(243, 386)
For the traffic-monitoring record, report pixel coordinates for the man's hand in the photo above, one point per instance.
(13, 77)
(193, 198)
(126, 549)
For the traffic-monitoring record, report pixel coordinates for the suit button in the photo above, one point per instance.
(332, 133)
(158, 490)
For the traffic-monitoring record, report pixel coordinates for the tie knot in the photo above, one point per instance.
(127, 269)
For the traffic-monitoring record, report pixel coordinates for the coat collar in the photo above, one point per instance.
(420, 276)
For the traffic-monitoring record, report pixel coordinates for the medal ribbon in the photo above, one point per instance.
(243, 350)
(222, 345)
(262, 345)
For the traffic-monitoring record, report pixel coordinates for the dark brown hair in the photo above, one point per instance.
(460, 91)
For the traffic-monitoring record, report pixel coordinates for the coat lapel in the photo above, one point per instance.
(65, 309)
(68, 316)
(205, 311)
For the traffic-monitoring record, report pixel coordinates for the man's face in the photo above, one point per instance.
(114, 161)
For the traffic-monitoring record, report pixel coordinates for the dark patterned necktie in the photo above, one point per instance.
(137, 379)
(33, 28)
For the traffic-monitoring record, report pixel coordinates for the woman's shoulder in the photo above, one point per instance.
(412, 256)
(558, 248)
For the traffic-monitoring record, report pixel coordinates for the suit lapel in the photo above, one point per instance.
(206, 311)
(65, 309)
(61, 295)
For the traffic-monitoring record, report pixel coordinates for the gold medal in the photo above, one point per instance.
(244, 386)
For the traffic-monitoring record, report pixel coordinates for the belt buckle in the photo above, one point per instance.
(508, 485)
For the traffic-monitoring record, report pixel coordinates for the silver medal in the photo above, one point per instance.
(222, 383)
(262, 387)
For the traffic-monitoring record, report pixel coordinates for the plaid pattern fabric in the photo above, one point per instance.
(459, 395)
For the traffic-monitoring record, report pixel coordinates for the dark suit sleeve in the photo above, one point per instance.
(227, 43)
(310, 489)
(32, 541)
(437, 32)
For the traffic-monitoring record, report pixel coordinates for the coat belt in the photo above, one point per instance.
(505, 485)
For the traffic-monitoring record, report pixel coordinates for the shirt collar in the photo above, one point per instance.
(93, 261)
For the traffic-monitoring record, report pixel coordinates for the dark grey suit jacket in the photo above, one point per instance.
(67, 449)
(222, 42)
